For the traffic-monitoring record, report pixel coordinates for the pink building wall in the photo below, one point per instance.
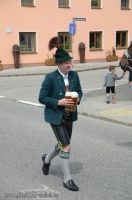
(46, 19)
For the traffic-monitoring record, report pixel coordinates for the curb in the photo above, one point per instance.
(86, 115)
(105, 119)
(44, 73)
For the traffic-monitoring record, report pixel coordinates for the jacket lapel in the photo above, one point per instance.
(61, 81)
(70, 79)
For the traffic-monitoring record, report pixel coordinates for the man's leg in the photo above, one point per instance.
(54, 152)
(64, 160)
(64, 153)
(46, 158)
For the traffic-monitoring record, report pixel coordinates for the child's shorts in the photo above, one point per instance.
(112, 89)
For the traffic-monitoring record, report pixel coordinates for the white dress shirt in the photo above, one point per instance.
(65, 77)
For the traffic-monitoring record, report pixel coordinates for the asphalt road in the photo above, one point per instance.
(101, 156)
(27, 87)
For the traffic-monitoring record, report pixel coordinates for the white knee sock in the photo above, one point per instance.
(65, 168)
(51, 155)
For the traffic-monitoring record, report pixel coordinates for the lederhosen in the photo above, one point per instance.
(63, 132)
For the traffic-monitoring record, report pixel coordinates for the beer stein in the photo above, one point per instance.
(68, 96)
(74, 96)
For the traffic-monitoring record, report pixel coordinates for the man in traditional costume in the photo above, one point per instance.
(52, 95)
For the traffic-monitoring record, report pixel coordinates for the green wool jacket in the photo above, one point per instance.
(52, 90)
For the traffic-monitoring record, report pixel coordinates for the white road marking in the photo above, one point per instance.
(30, 103)
(93, 89)
(2, 97)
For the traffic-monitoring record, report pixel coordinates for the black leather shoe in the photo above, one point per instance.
(45, 167)
(70, 185)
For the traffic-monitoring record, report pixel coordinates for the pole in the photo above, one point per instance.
(72, 48)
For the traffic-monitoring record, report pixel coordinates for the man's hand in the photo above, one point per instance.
(103, 87)
(65, 102)
(78, 100)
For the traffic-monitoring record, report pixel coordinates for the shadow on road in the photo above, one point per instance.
(75, 168)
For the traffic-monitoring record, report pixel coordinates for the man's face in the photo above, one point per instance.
(65, 66)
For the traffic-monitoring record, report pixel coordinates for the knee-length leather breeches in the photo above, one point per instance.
(63, 132)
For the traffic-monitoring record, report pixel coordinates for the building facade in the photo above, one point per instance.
(100, 25)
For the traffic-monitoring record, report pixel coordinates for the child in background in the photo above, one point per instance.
(109, 82)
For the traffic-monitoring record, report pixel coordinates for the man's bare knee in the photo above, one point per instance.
(67, 148)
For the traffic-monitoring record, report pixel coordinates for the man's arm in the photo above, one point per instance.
(44, 94)
(79, 89)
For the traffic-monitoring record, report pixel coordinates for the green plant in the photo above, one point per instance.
(51, 58)
(97, 44)
(67, 45)
(113, 51)
(109, 53)
(94, 3)
(23, 47)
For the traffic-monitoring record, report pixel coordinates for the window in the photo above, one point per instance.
(63, 3)
(95, 4)
(121, 39)
(66, 41)
(125, 4)
(27, 2)
(95, 41)
(27, 42)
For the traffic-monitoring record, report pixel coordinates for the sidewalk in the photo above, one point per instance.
(93, 103)
(42, 70)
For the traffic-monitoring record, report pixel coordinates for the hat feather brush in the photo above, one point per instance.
(54, 42)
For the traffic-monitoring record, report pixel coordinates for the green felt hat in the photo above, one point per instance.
(62, 56)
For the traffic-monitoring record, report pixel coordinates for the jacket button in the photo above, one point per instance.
(56, 110)
(60, 93)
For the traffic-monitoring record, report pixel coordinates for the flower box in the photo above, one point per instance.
(111, 58)
(1, 67)
(50, 62)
